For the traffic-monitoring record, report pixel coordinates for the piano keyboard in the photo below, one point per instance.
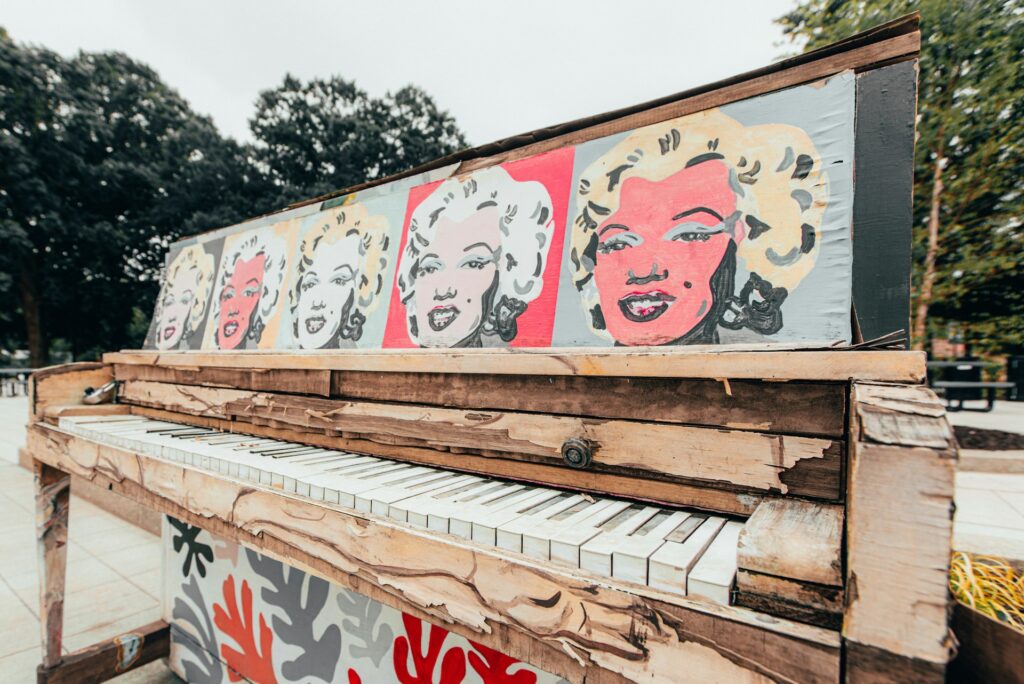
(683, 552)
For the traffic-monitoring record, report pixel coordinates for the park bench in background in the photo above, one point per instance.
(960, 381)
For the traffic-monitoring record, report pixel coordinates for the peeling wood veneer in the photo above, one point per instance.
(629, 633)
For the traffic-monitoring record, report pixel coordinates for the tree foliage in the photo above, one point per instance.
(327, 134)
(971, 129)
(102, 165)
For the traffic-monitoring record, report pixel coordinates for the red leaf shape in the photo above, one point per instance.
(493, 667)
(255, 665)
(453, 665)
(353, 677)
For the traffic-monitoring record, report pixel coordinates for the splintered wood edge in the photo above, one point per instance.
(472, 594)
(712, 362)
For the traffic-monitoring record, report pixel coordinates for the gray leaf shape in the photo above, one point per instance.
(206, 669)
(319, 657)
(361, 616)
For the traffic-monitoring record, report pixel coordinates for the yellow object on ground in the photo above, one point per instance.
(990, 586)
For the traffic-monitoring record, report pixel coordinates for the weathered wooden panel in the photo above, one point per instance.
(815, 604)
(747, 460)
(64, 385)
(697, 361)
(800, 408)
(632, 634)
(260, 379)
(794, 539)
(111, 657)
(899, 525)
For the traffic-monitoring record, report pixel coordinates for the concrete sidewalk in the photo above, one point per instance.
(113, 575)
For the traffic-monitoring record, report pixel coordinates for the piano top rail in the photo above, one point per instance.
(764, 362)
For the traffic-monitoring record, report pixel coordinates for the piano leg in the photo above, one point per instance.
(53, 489)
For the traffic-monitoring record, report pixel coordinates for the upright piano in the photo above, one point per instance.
(620, 400)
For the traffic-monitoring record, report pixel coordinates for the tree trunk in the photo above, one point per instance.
(38, 348)
(924, 297)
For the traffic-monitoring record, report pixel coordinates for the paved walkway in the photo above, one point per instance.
(113, 577)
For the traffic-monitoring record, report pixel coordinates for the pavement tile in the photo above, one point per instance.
(105, 604)
(21, 666)
(985, 507)
(988, 540)
(82, 573)
(136, 559)
(19, 628)
(112, 628)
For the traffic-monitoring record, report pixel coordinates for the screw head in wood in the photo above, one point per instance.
(577, 453)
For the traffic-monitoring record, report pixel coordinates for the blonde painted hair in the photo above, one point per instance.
(275, 252)
(193, 257)
(526, 225)
(774, 170)
(333, 225)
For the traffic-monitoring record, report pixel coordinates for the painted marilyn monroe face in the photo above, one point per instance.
(456, 279)
(176, 306)
(238, 300)
(657, 253)
(326, 291)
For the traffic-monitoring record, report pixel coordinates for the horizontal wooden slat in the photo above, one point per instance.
(502, 600)
(64, 385)
(798, 408)
(746, 460)
(316, 382)
(709, 361)
(655, 491)
(111, 657)
(815, 604)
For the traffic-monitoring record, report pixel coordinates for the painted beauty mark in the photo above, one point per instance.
(667, 218)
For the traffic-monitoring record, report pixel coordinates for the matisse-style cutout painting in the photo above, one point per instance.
(237, 615)
(479, 259)
(182, 305)
(252, 281)
(727, 226)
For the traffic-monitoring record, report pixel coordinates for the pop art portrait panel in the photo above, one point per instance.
(478, 265)
(251, 289)
(183, 303)
(701, 229)
(344, 268)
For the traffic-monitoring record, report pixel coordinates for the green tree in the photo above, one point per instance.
(316, 137)
(101, 166)
(968, 199)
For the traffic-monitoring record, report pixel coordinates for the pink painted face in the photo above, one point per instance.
(238, 300)
(657, 253)
(454, 279)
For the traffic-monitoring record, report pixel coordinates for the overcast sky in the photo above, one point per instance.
(499, 67)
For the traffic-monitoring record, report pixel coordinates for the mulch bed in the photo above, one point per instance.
(989, 440)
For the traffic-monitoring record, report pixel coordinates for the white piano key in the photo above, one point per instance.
(379, 500)
(537, 541)
(596, 554)
(713, 575)
(394, 489)
(487, 522)
(566, 541)
(415, 509)
(461, 524)
(669, 567)
(440, 508)
(629, 560)
(510, 534)
(457, 524)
